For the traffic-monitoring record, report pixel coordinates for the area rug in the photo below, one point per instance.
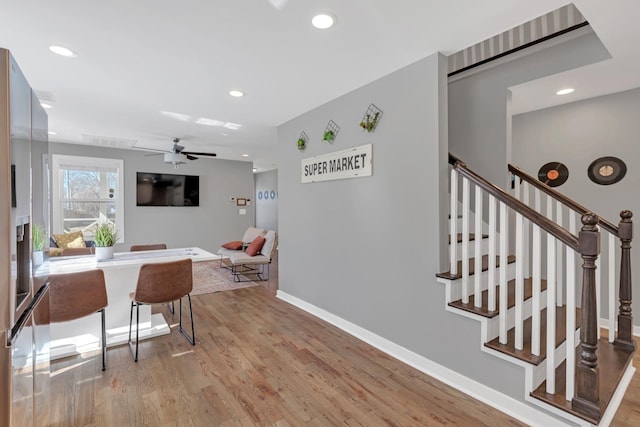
(208, 277)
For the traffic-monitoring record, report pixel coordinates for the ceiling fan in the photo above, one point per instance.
(177, 155)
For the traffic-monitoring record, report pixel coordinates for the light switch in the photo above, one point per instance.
(242, 211)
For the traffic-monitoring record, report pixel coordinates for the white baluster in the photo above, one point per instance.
(477, 229)
(491, 285)
(571, 322)
(504, 223)
(465, 240)
(599, 272)
(536, 287)
(570, 356)
(559, 263)
(612, 287)
(551, 314)
(536, 291)
(453, 224)
(519, 285)
(527, 232)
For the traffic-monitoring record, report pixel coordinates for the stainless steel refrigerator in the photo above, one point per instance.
(24, 301)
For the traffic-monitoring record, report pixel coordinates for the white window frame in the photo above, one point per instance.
(61, 162)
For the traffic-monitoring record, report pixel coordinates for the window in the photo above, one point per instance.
(87, 191)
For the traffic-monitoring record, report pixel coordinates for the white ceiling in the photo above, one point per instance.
(138, 59)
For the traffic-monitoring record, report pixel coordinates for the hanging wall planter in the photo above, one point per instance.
(302, 141)
(331, 131)
(371, 118)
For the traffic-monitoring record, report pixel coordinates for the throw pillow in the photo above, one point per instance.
(236, 245)
(70, 240)
(255, 246)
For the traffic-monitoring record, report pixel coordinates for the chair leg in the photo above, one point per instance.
(134, 353)
(172, 309)
(192, 338)
(104, 342)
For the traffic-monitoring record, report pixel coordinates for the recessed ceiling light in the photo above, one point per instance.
(62, 51)
(45, 105)
(236, 93)
(245, 155)
(323, 21)
(565, 91)
(52, 133)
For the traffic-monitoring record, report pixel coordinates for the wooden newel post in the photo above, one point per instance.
(624, 338)
(587, 397)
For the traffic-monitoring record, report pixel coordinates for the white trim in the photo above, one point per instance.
(481, 392)
(60, 162)
(636, 329)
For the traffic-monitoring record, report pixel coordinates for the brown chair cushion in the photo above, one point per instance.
(254, 248)
(70, 240)
(77, 251)
(151, 247)
(236, 245)
(163, 282)
(75, 295)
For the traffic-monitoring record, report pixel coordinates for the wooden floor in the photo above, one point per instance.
(260, 361)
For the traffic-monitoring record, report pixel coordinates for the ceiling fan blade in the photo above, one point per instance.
(190, 157)
(154, 154)
(193, 153)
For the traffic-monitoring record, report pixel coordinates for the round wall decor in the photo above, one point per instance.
(553, 174)
(606, 170)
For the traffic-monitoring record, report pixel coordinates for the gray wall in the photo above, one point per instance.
(578, 133)
(266, 207)
(215, 221)
(479, 117)
(366, 249)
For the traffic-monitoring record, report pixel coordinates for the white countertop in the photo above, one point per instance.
(59, 265)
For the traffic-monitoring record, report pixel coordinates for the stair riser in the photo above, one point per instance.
(454, 287)
(484, 248)
(493, 324)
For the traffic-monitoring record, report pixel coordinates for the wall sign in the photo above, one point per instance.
(354, 162)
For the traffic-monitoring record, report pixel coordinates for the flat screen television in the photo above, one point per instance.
(163, 189)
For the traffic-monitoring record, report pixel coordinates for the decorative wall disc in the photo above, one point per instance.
(607, 170)
(553, 174)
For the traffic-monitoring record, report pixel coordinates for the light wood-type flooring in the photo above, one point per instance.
(260, 361)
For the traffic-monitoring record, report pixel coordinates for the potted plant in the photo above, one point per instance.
(329, 136)
(38, 235)
(301, 143)
(104, 238)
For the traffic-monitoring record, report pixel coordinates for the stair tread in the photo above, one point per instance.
(511, 299)
(472, 237)
(525, 354)
(485, 266)
(612, 363)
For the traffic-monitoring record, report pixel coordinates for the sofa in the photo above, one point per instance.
(75, 240)
(249, 258)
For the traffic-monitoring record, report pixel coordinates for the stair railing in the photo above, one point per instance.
(581, 381)
(623, 232)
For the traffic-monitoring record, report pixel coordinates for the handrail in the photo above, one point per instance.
(561, 197)
(453, 159)
(537, 218)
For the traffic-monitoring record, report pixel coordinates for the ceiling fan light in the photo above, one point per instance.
(174, 159)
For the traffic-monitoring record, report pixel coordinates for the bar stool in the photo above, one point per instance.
(76, 295)
(151, 247)
(77, 251)
(162, 283)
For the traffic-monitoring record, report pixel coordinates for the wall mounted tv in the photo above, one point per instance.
(163, 189)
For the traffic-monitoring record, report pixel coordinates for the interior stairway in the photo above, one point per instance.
(613, 360)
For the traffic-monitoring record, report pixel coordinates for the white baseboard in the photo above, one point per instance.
(510, 406)
(604, 323)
